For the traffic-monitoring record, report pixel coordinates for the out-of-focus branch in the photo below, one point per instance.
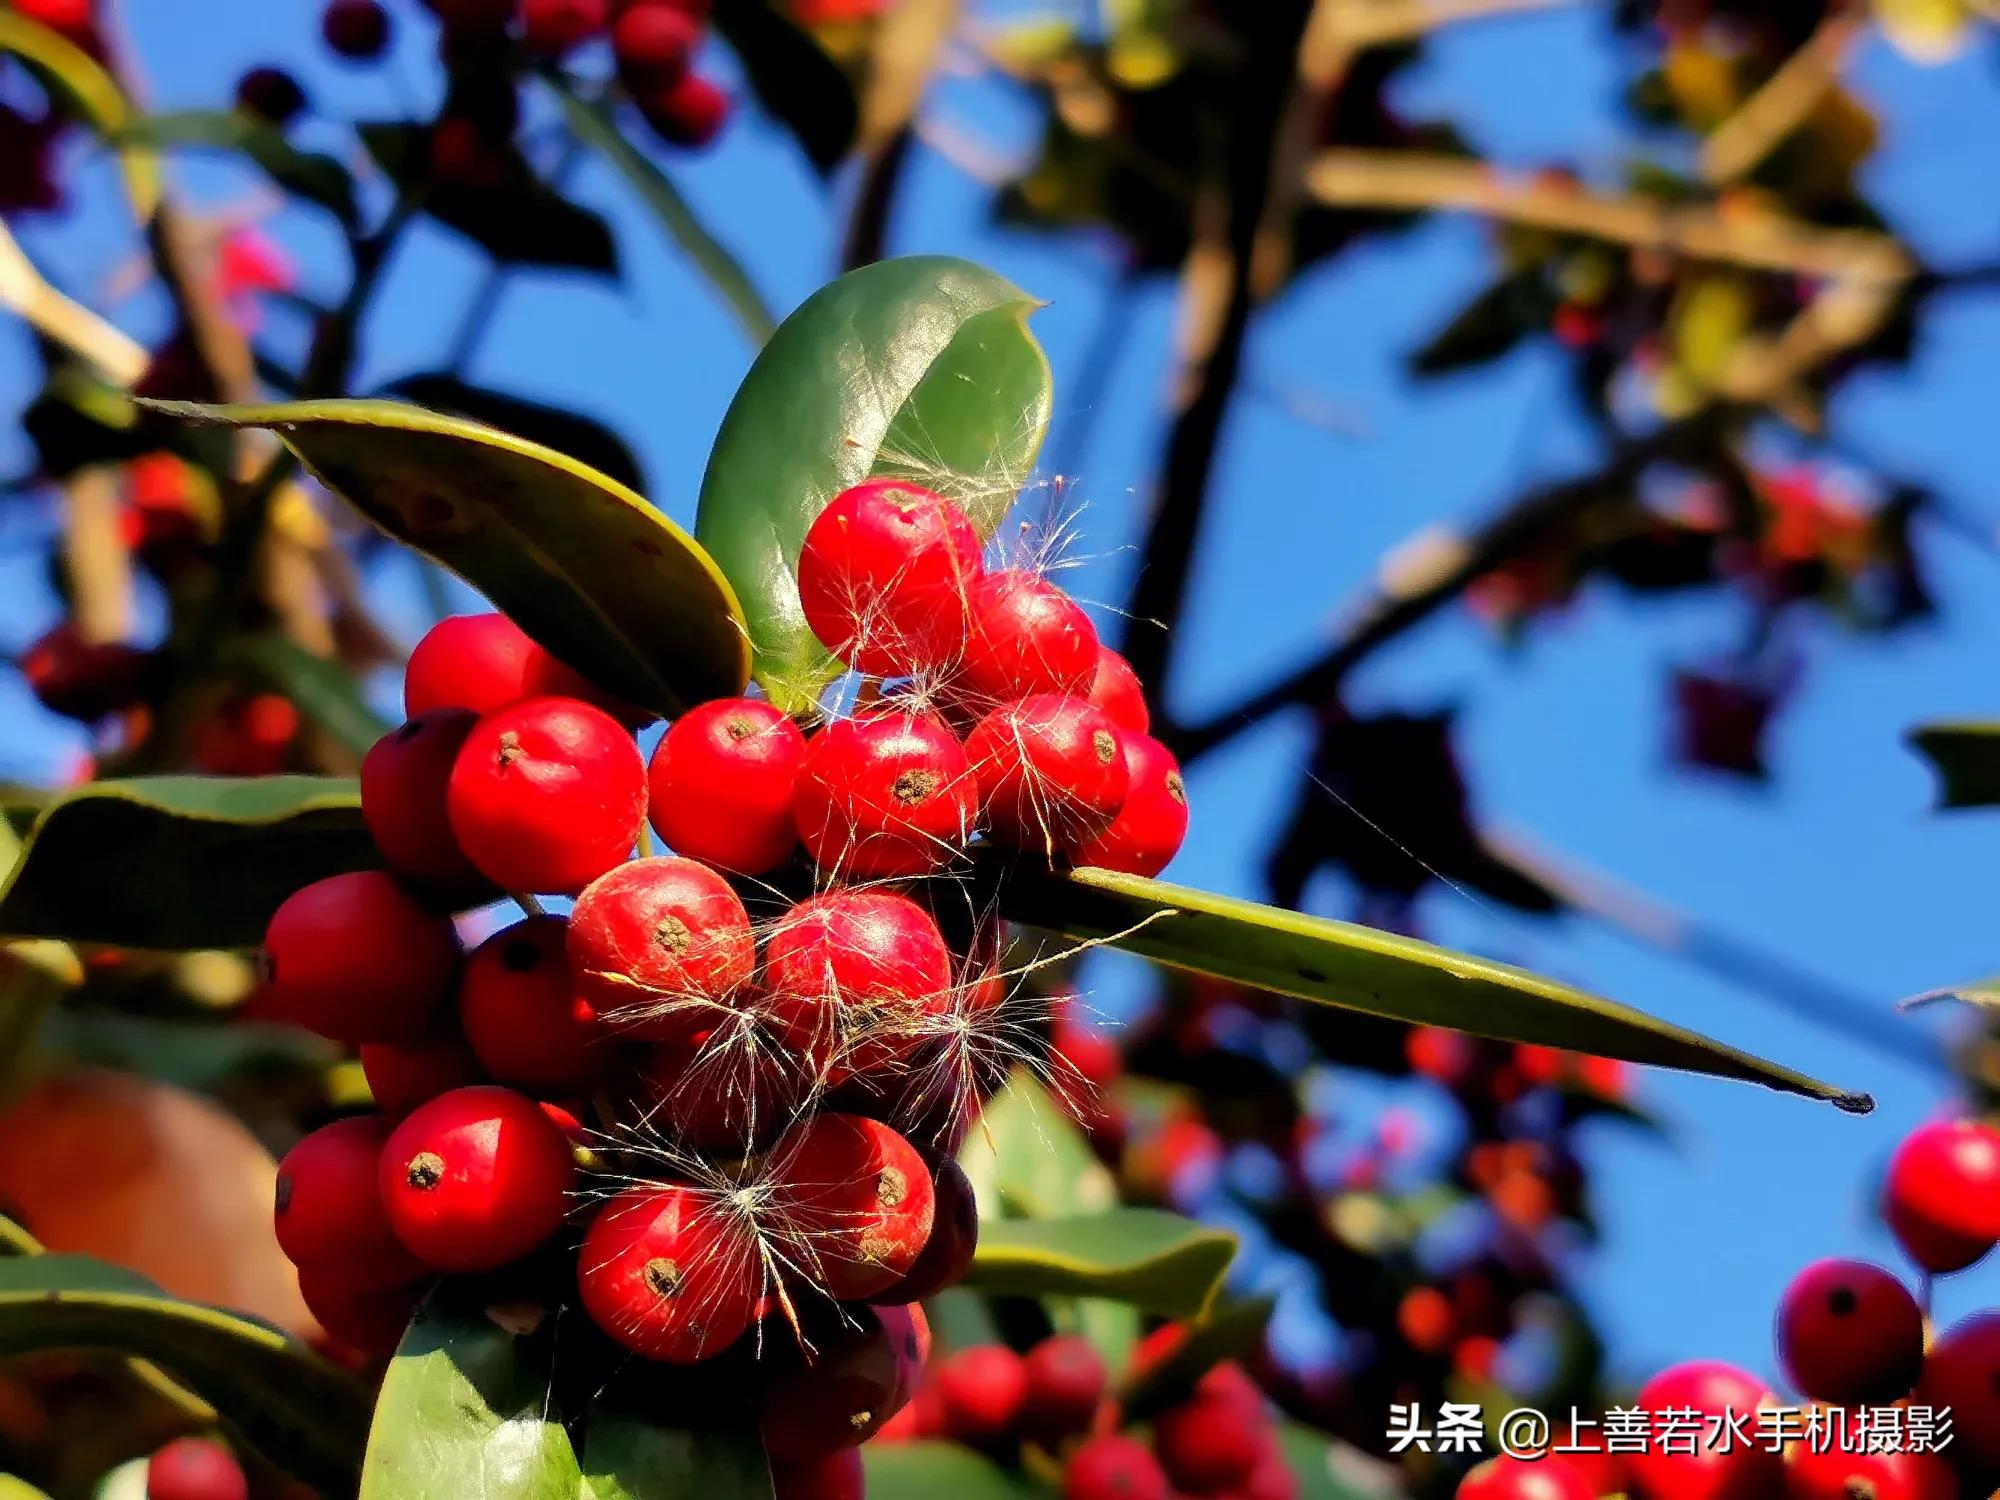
(909, 39)
(1784, 102)
(117, 356)
(95, 558)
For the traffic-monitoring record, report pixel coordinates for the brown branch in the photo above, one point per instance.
(117, 356)
(1785, 100)
(95, 558)
(908, 41)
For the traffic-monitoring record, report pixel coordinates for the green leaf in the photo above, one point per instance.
(934, 1471)
(91, 94)
(1328, 1469)
(520, 220)
(921, 367)
(629, 1458)
(310, 175)
(1157, 1261)
(34, 976)
(284, 1399)
(1361, 968)
(793, 78)
(1488, 326)
(181, 861)
(582, 438)
(1966, 757)
(1231, 1330)
(593, 124)
(581, 563)
(324, 691)
(14, 1240)
(1027, 1158)
(461, 1412)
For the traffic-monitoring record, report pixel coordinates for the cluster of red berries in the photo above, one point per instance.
(1215, 1440)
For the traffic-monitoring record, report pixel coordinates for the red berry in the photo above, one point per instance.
(547, 795)
(687, 111)
(463, 157)
(371, 1322)
(524, 1015)
(721, 785)
(475, 662)
(472, 15)
(193, 1468)
(658, 944)
(842, 1393)
(1065, 1386)
(984, 1389)
(1510, 1478)
(858, 1200)
(1722, 1466)
(1149, 828)
(353, 958)
(883, 795)
(669, 1273)
(328, 1210)
(1114, 1468)
(1027, 637)
(947, 1254)
(270, 95)
(74, 19)
(834, 1476)
(476, 1178)
(852, 976)
(1211, 1441)
(652, 43)
(1839, 1475)
(357, 30)
(1963, 1373)
(884, 577)
(83, 680)
(1272, 1478)
(403, 795)
(1050, 772)
(1849, 1333)
(550, 28)
(1085, 1049)
(1942, 1196)
(728, 1090)
(1116, 689)
(402, 1075)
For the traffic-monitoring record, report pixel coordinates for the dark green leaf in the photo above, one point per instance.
(594, 124)
(79, 419)
(1157, 1261)
(181, 861)
(1489, 325)
(921, 367)
(90, 93)
(1967, 760)
(34, 976)
(626, 1457)
(282, 1397)
(323, 690)
(1361, 968)
(311, 175)
(14, 1240)
(1232, 1330)
(939, 1471)
(205, 1055)
(1328, 1469)
(519, 220)
(1027, 1158)
(793, 78)
(582, 438)
(581, 563)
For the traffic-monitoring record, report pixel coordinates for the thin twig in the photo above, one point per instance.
(1784, 102)
(95, 557)
(907, 43)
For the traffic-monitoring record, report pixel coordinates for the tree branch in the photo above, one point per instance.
(907, 43)
(1763, 121)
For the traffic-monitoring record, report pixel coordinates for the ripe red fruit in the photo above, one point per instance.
(1027, 637)
(983, 1389)
(1851, 1334)
(83, 680)
(75, 20)
(1509, 1478)
(546, 795)
(271, 95)
(1149, 828)
(193, 1468)
(476, 1178)
(1116, 689)
(353, 958)
(834, 1476)
(550, 28)
(1212, 1440)
(1722, 1467)
(885, 794)
(370, 1322)
(720, 785)
(1963, 1373)
(947, 1254)
(402, 1075)
(652, 43)
(656, 944)
(1050, 772)
(851, 977)
(523, 1013)
(1942, 1195)
(885, 574)
(475, 662)
(462, 156)
(668, 1273)
(687, 111)
(404, 778)
(857, 1199)
(357, 30)
(1114, 1468)
(328, 1210)
(1838, 1475)
(730, 1090)
(1065, 1386)
(858, 1376)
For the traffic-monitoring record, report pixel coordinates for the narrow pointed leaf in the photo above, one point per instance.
(1328, 1469)
(793, 78)
(1966, 758)
(181, 861)
(92, 94)
(1026, 1157)
(1231, 1330)
(1159, 1262)
(627, 1457)
(310, 175)
(582, 438)
(582, 563)
(921, 367)
(1362, 968)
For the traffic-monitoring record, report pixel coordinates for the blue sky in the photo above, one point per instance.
(1837, 864)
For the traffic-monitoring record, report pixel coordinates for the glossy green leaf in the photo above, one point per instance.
(1328, 1469)
(92, 95)
(310, 175)
(592, 123)
(1157, 1261)
(1230, 1330)
(1026, 1157)
(181, 861)
(793, 78)
(1966, 757)
(14, 1240)
(581, 563)
(463, 1413)
(921, 367)
(626, 1457)
(939, 1471)
(1362, 968)
(582, 438)
(323, 690)
(283, 1398)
